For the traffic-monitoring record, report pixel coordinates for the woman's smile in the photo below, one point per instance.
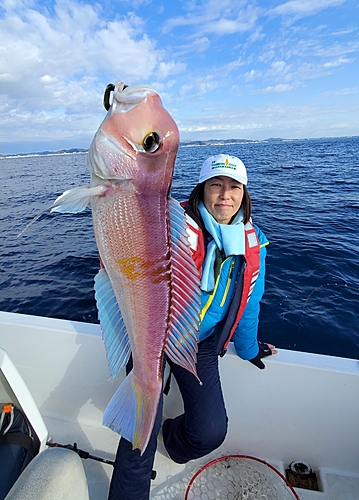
(223, 198)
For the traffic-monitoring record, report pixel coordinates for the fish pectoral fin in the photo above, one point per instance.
(32, 221)
(186, 295)
(114, 332)
(71, 201)
(77, 199)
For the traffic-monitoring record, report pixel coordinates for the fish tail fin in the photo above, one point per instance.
(132, 412)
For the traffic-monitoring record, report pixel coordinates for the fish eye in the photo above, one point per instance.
(151, 142)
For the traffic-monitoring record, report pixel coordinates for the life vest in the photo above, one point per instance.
(245, 280)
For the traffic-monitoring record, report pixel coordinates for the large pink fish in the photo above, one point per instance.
(148, 292)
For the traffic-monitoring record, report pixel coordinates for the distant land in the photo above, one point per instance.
(183, 144)
(48, 153)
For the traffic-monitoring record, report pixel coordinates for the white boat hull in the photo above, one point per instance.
(301, 407)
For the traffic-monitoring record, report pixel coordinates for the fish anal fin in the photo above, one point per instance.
(114, 332)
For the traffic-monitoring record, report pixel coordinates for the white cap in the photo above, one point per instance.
(230, 166)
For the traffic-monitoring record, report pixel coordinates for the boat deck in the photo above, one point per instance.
(172, 479)
(302, 407)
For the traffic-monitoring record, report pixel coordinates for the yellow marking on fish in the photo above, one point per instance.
(136, 267)
(131, 267)
(135, 443)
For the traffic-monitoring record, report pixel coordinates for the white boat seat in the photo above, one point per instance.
(54, 474)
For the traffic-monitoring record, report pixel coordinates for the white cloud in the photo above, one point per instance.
(54, 66)
(198, 87)
(282, 87)
(136, 3)
(72, 43)
(236, 90)
(279, 67)
(337, 62)
(345, 91)
(197, 46)
(270, 120)
(219, 18)
(166, 69)
(225, 26)
(305, 7)
(56, 57)
(344, 32)
(251, 75)
(235, 64)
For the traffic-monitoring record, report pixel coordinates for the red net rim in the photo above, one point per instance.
(220, 459)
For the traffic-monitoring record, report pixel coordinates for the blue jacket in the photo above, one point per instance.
(216, 306)
(245, 335)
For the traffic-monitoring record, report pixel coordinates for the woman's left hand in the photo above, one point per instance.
(264, 351)
(272, 348)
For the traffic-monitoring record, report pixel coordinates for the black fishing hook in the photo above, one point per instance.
(106, 97)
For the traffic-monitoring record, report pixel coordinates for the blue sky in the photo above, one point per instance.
(224, 69)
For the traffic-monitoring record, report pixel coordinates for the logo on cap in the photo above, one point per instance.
(221, 164)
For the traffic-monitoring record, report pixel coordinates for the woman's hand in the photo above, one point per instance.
(264, 351)
(273, 349)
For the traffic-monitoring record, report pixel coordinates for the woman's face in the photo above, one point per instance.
(222, 198)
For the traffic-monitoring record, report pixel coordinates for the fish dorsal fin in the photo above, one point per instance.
(77, 199)
(114, 332)
(182, 342)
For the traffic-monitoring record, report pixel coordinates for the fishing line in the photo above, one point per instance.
(338, 285)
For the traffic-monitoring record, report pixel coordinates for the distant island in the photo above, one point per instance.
(72, 151)
(183, 144)
(226, 142)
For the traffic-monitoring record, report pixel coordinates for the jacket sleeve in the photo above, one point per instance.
(245, 335)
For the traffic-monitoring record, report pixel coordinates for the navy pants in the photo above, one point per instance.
(198, 431)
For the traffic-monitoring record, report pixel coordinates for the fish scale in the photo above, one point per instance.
(133, 267)
(134, 270)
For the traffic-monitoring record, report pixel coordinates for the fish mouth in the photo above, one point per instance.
(129, 97)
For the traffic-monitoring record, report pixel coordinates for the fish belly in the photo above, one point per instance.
(132, 237)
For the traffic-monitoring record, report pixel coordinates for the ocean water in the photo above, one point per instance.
(305, 198)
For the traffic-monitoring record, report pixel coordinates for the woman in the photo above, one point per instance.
(229, 252)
